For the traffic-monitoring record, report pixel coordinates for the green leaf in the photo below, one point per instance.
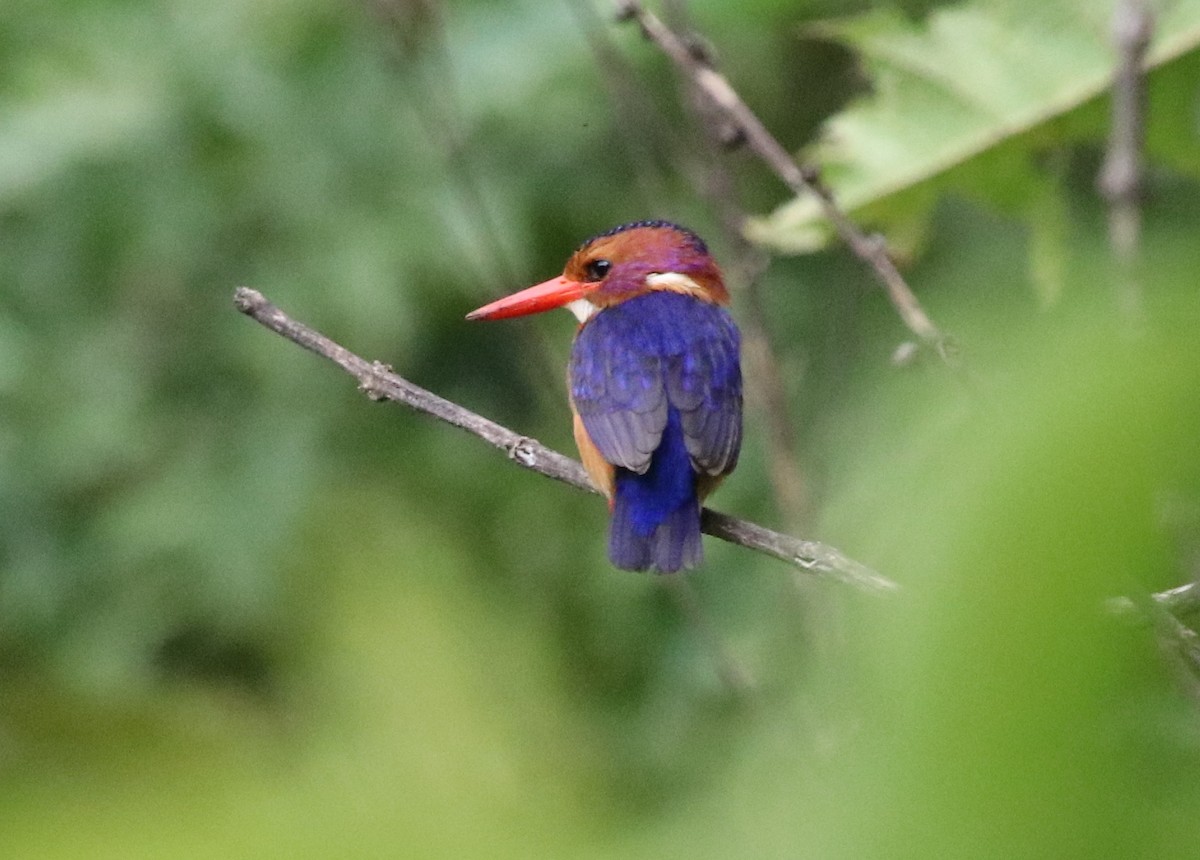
(962, 83)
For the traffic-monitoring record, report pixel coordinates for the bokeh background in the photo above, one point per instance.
(245, 612)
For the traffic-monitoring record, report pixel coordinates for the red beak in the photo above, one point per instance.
(545, 296)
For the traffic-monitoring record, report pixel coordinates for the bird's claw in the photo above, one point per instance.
(522, 451)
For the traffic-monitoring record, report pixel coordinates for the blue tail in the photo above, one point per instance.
(656, 516)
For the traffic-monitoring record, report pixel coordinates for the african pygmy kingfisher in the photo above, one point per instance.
(655, 382)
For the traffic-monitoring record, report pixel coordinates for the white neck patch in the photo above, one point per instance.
(672, 281)
(582, 308)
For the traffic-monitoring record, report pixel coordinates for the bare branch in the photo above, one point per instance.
(1120, 179)
(378, 382)
(872, 249)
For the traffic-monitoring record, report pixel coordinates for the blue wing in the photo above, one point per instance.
(635, 361)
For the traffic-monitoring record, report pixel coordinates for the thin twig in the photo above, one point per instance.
(806, 179)
(1180, 600)
(1121, 176)
(378, 382)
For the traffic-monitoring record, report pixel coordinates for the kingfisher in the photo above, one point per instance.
(655, 382)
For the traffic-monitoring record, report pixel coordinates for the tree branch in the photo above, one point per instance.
(378, 382)
(1120, 179)
(1122, 175)
(800, 179)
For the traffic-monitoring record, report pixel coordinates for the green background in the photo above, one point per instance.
(245, 612)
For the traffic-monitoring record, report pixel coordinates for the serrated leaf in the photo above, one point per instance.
(957, 85)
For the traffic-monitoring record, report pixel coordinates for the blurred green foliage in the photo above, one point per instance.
(962, 100)
(244, 612)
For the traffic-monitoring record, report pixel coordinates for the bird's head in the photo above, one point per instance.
(617, 265)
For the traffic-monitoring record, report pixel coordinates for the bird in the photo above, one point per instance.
(654, 381)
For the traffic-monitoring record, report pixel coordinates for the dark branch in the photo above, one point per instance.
(806, 179)
(378, 382)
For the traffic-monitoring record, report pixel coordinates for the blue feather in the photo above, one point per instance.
(656, 515)
(657, 384)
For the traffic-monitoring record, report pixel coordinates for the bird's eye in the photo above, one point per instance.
(597, 269)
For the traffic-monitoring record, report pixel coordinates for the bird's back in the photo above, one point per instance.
(657, 386)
